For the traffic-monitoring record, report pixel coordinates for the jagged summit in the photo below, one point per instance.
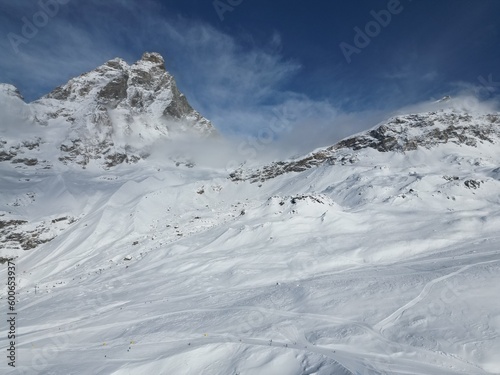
(113, 113)
(154, 58)
(144, 87)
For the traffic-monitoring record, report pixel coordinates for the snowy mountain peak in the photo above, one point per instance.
(110, 115)
(144, 87)
(154, 58)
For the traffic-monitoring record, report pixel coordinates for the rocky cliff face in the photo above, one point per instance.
(400, 134)
(108, 116)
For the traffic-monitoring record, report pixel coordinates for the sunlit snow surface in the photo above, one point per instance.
(380, 267)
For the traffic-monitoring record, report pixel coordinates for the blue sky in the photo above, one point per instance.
(243, 65)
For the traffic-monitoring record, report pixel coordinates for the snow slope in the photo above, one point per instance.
(387, 265)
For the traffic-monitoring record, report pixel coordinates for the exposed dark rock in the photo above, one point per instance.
(115, 159)
(6, 155)
(115, 91)
(60, 93)
(153, 57)
(5, 260)
(26, 240)
(179, 107)
(11, 223)
(28, 162)
(17, 234)
(115, 64)
(401, 134)
(59, 219)
(297, 198)
(473, 184)
(141, 78)
(31, 145)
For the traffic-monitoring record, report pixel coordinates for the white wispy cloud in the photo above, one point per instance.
(235, 81)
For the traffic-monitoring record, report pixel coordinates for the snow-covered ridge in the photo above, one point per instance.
(407, 133)
(107, 116)
(10, 91)
(399, 134)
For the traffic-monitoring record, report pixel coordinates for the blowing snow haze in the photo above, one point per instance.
(321, 199)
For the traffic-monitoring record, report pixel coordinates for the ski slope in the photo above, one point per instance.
(387, 266)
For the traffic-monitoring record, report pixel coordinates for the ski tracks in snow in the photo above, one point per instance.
(391, 319)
